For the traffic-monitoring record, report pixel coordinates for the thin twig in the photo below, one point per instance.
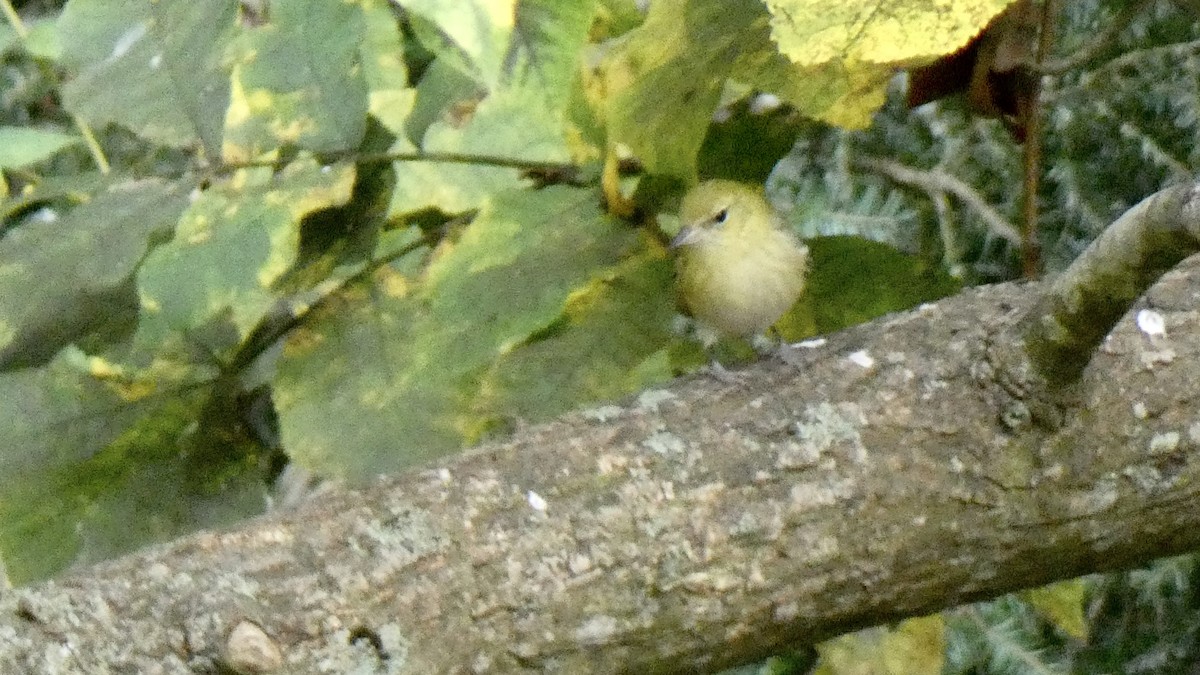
(89, 138)
(93, 145)
(444, 157)
(937, 183)
(947, 229)
(1176, 52)
(271, 332)
(14, 19)
(1096, 44)
(1031, 247)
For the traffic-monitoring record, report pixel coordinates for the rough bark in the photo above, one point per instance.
(884, 474)
(1079, 309)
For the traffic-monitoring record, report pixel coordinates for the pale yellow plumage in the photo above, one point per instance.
(737, 268)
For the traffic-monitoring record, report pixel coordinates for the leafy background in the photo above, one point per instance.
(347, 237)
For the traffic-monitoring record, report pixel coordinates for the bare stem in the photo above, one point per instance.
(1096, 44)
(937, 183)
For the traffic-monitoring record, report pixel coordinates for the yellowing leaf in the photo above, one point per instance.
(844, 94)
(915, 647)
(844, 53)
(233, 242)
(504, 281)
(298, 81)
(659, 86)
(815, 32)
(830, 59)
(1062, 605)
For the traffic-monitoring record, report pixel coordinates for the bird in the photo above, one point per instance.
(738, 268)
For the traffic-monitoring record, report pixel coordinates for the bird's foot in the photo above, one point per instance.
(719, 372)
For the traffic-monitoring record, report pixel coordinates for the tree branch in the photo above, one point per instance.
(1078, 311)
(709, 524)
(936, 183)
(1098, 43)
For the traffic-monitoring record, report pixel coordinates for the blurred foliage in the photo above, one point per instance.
(359, 235)
(1117, 129)
(353, 236)
(914, 647)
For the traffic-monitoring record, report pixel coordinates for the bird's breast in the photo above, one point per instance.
(742, 287)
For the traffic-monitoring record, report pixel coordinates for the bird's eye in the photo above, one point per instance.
(720, 216)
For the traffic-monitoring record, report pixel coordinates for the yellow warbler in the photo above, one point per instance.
(738, 269)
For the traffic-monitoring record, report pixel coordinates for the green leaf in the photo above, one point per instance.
(8, 38)
(152, 66)
(475, 32)
(547, 46)
(538, 138)
(102, 457)
(44, 41)
(55, 191)
(235, 241)
(22, 146)
(58, 414)
(298, 80)
(454, 187)
(724, 155)
(853, 280)
(611, 342)
(385, 375)
(382, 54)
(442, 93)
(665, 78)
(454, 115)
(513, 267)
(616, 17)
(63, 279)
(99, 461)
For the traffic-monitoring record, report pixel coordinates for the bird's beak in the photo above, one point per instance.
(688, 235)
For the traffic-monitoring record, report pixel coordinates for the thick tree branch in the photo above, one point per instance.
(875, 477)
(1083, 304)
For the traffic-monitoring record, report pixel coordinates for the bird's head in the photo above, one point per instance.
(722, 208)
